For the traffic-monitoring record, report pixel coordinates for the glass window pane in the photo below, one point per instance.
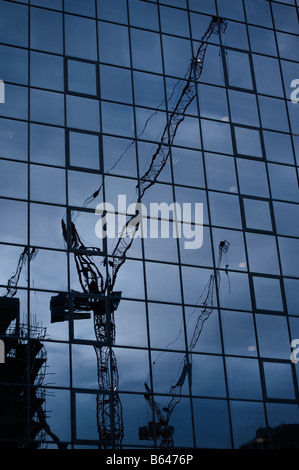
(248, 142)
(247, 417)
(282, 413)
(45, 226)
(287, 46)
(221, 172)
(273, 114)
(238, 69)
(82, 77)
(216, 137)
(169, 289)
(205, 6)
(83, 113)
(84, 150)
(14, 65)
(262, 40)
(16, 102)
(238, 332)
(14, 24)
(47, 107)
(279, 380)
(234, 291)
(52, 4)
(262, 253)
(285, 18)
(213, 102)
(47, 184)
(267, 75)
(286, 218)
(114, 10)
(257, 214)
(13, 228)
(119, 156)
(47, 145)
(146, 51)
(252, 177)
(273, 336)
(283, 182)
(118, 119)
(114, 42)
(116, 84)
(76, 6)
(46, 30)
(209, 378)
(267, 294)
(291, 287)
(46, 71)
(80, 37)
(278, 147)
(258, 12)
(144, 15)
(174, 21)
(81, 185)
(289, 254)
(13, 179)
(187, 167)
(243, 378)
(243, 108)
(13, 139)
(211, 423)
(225, 210)
(154, 86)
(177, 55)
(232, 9)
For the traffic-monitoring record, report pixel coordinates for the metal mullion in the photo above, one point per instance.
(136, 139)
(179, 265)
(105, 244)
(296, 387)
(28, 243)
(70, 319)
(211, 230)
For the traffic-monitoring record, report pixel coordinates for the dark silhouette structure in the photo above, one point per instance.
(284, 436)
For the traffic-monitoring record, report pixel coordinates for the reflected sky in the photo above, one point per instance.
(101, 95)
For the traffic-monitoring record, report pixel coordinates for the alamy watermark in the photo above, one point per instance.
(295, 352)
(161, 220)
(2, 91)
(295, 93)
(2, 352)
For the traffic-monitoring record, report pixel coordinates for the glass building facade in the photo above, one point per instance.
(174, 101)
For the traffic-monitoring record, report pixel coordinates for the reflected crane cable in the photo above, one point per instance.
(176, 390)
(162, 153)
(188, 94)
(97, 192)
(181, 325)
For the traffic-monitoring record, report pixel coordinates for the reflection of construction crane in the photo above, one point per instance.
(102, 302)
(162, 428)
(13, 400)
(105, 301)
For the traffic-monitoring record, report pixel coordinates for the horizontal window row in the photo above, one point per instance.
(46, 31)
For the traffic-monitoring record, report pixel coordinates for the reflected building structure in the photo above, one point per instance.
(149, 344)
